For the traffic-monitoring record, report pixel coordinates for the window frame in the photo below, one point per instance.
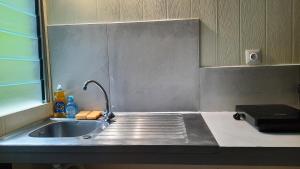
(40, 51)
(45, 73)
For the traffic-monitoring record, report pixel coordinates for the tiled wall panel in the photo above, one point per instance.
(222, 89)
(79, 53)
(154, 66)
(132, 62)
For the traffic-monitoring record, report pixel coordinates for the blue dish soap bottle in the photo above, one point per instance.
(71, 108)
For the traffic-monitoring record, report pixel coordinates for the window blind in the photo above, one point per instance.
(20, 81)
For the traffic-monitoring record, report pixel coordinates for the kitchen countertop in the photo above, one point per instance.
(127, 129)
(245, 146)
(238, 133)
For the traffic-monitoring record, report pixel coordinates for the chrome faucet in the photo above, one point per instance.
(108, 115)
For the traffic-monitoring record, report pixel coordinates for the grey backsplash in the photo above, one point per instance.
(223, 88)
(154, 66)
(79, 53)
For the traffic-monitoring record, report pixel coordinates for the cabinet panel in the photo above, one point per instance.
(296, 37)
(154, 9)
(228, 33)
(85, 11)
(60, 12)
(179, 9)
(131, 10)
(279, 31)
(253, 27)
(206, 11)
(108, 10)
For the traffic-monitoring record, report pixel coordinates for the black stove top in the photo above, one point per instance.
(270, 118)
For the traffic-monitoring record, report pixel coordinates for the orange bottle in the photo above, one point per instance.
(59, 103)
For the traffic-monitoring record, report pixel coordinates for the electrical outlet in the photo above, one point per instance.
(253, 57)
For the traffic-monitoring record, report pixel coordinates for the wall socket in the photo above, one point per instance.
(253, 57)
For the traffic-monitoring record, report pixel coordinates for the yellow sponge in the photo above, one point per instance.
(94, 115)
(82, 115)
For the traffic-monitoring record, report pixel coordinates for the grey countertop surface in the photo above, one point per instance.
(196, 145)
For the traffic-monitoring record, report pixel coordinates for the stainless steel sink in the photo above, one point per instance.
(145, 129)
(141, 128)
(66, 129)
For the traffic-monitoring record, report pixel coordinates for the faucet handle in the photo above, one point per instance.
(109, 115)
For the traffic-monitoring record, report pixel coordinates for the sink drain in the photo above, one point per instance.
(86, 137)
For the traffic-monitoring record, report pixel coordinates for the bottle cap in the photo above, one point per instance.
(59, 87)
(70, 98)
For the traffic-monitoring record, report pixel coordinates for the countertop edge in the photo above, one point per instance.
(160, 155)
(154, 154)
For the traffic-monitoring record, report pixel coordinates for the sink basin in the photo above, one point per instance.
(66, 129)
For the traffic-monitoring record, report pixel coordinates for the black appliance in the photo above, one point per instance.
(270, 118)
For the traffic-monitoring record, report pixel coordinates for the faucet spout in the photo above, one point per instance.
(108, 115)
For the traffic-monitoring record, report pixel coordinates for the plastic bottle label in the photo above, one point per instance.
(59, 107)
